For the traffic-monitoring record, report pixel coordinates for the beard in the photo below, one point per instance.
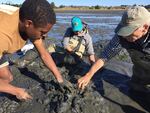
(24, 35)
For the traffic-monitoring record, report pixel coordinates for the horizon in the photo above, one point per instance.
(87, 2)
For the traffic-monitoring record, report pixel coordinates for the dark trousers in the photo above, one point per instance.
(59, 58)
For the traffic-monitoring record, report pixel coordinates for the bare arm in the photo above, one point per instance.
(110, 51)
(47, 59)
(83, 81)
(20, 93)
(5, 78)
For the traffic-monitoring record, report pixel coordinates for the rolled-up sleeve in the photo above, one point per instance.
(112, 49)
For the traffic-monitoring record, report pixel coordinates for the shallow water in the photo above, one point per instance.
(101, 24)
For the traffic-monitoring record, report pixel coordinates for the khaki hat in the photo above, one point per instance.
(132, 19)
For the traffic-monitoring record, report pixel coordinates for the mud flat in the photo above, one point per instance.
(108, 91)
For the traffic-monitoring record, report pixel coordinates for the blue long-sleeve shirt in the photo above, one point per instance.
(113, 48)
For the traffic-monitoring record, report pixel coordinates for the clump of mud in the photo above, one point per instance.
(48, 95)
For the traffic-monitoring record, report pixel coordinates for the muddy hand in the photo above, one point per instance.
(23, 95)
(83, 82)
(66, 85)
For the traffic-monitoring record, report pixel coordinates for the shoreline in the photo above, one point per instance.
(87, 10)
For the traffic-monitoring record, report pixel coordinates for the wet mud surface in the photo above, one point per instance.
(108, 91)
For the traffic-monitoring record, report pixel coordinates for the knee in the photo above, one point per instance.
(5, 74)
(7, 80)
(7, 77)
(10, 78)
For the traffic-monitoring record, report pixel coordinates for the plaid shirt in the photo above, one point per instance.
(113, 48)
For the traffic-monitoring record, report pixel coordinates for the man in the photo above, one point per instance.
(132, 33)
(76, 41)
(32, 21)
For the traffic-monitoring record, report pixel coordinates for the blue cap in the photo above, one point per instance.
(76, 23)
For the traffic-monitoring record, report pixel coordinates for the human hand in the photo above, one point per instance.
(83, 82)
(22, 94)
(65, 86)
(60, 80)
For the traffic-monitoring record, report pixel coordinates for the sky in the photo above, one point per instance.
(89, 2)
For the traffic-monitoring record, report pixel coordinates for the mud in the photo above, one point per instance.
(108, 91)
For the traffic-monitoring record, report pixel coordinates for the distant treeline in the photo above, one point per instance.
(83, 7)
(17, 5)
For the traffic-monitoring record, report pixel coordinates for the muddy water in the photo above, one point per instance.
(101, 24)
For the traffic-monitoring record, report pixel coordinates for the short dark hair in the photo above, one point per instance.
(38, 11)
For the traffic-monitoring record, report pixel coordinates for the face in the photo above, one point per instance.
(33, 32)
(137, 34)
(79, 33)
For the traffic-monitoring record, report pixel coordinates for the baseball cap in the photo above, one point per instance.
(132, 19)
(76, 23)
